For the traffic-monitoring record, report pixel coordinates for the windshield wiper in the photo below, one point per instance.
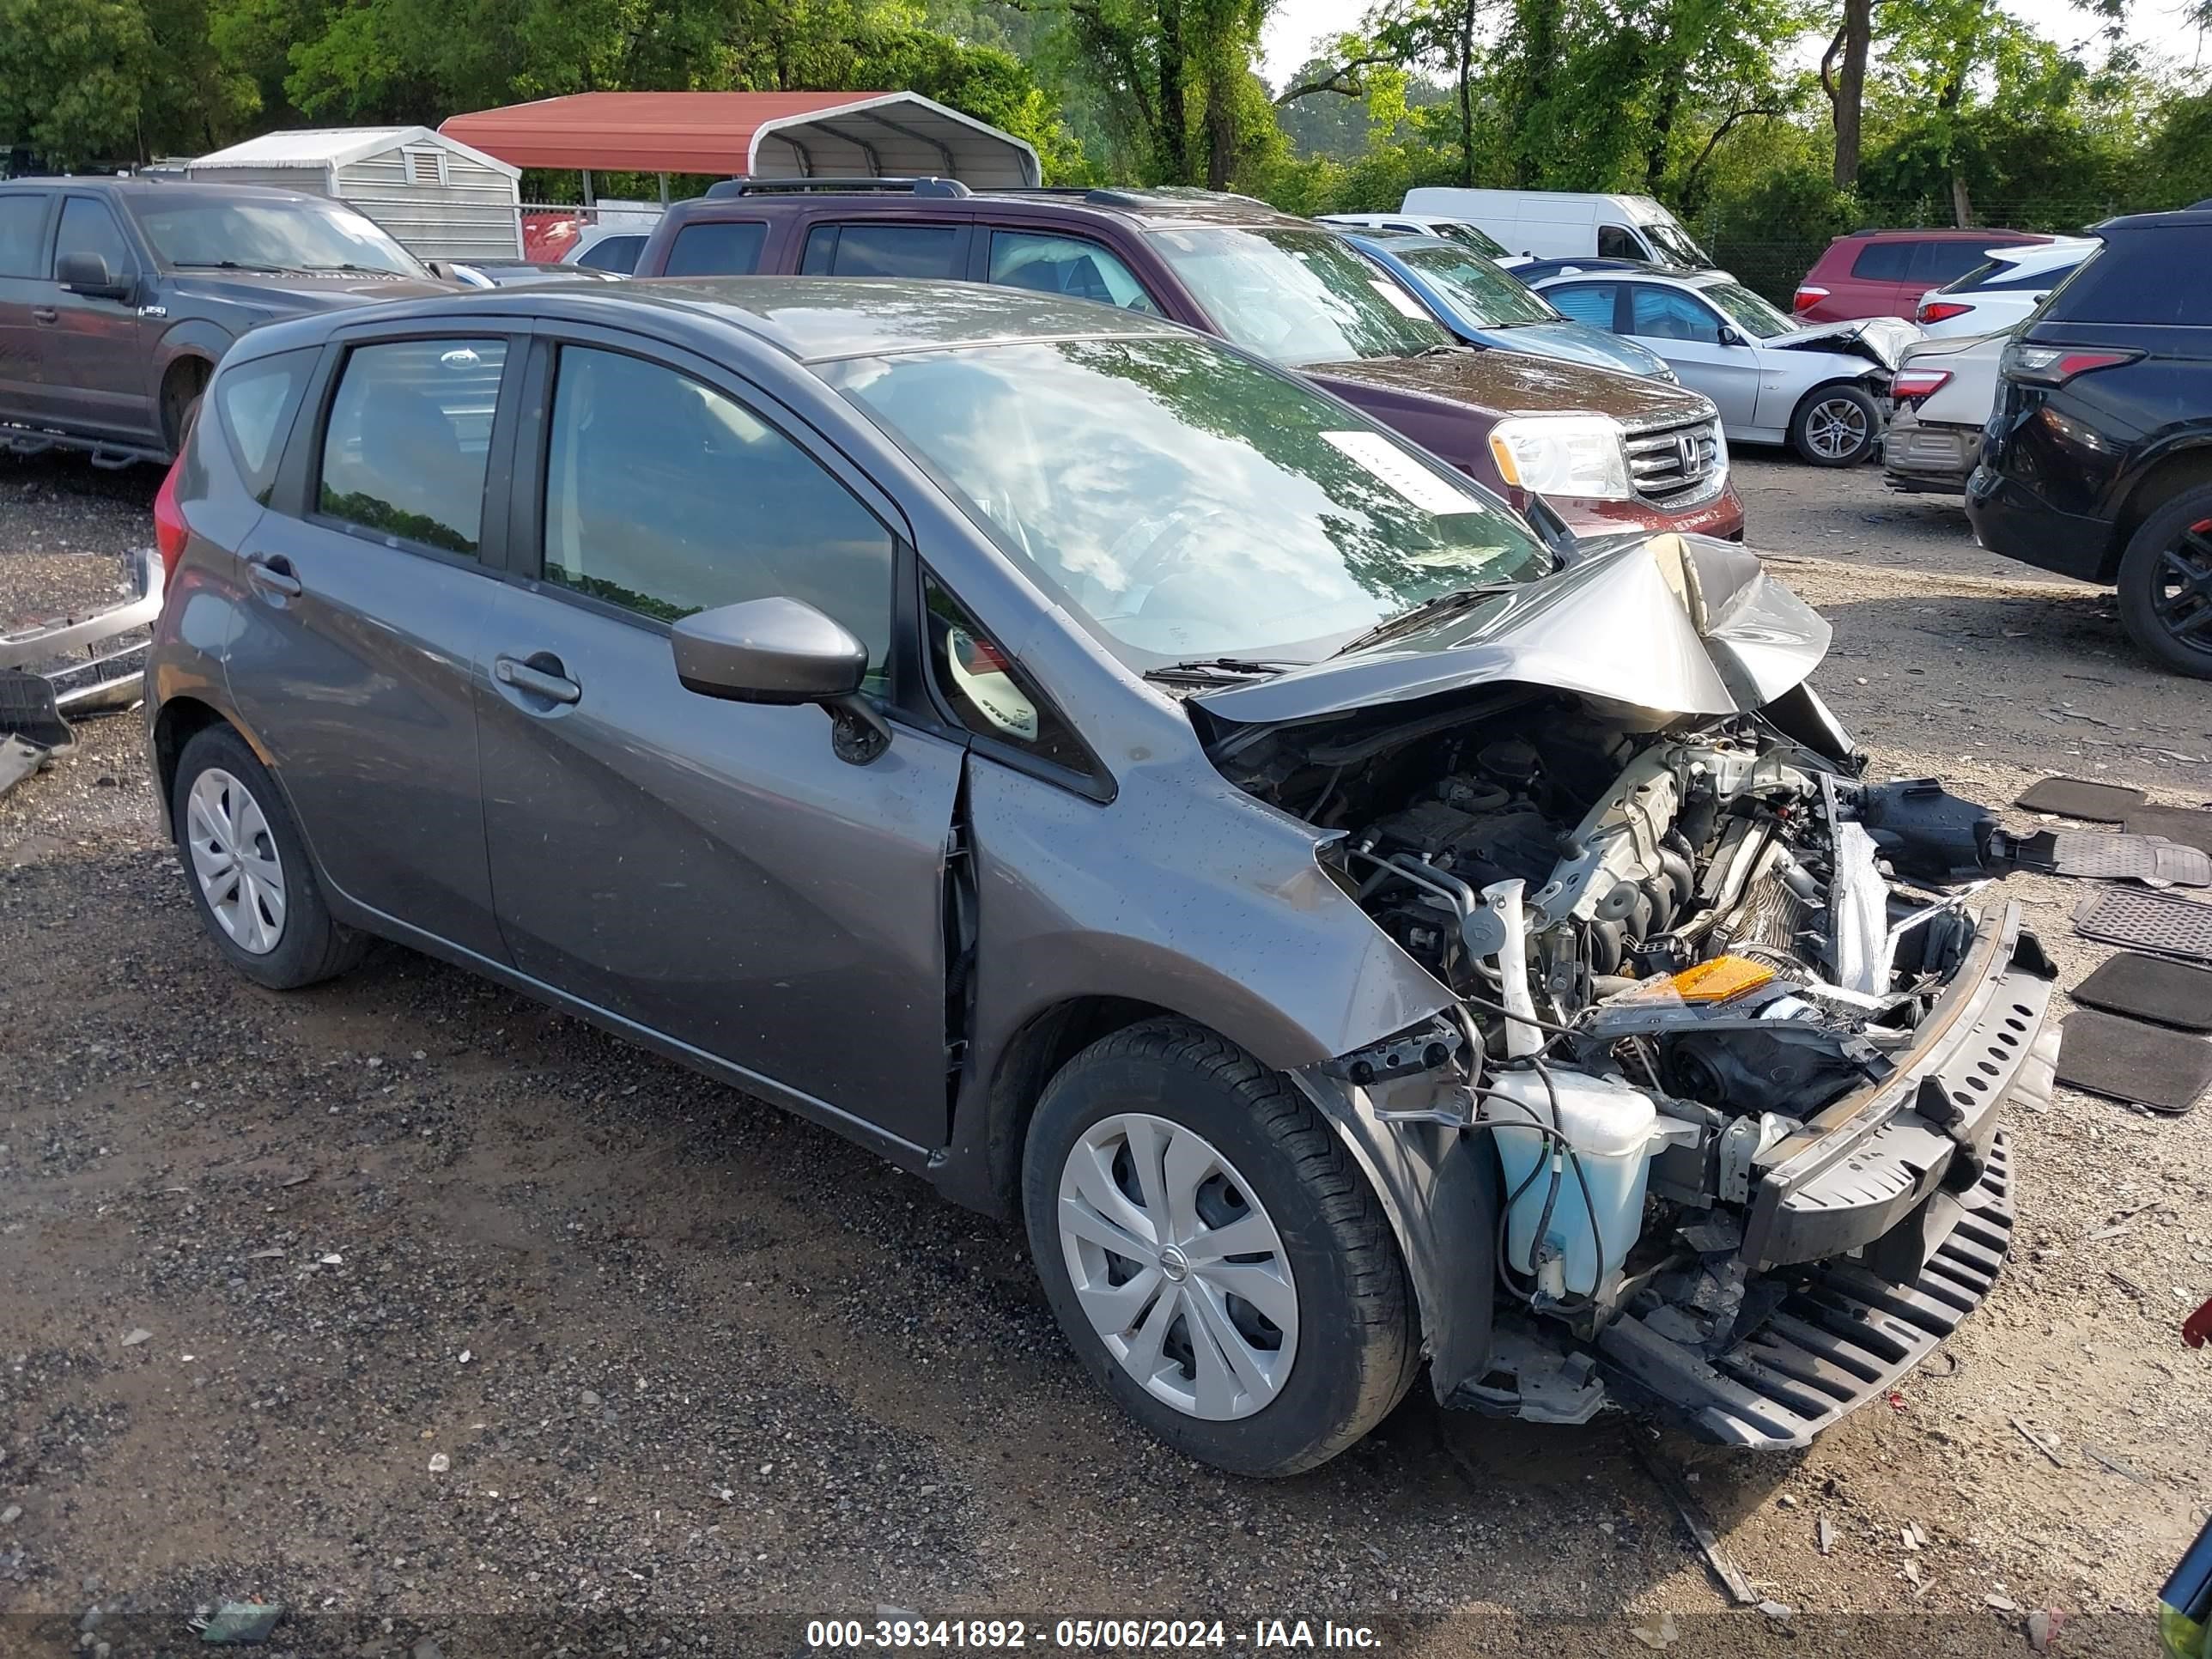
(1218, 668)
(225, 264)
(1428, 609)
(366, 270)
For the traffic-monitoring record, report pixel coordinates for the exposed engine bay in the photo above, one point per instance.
(1673, 943)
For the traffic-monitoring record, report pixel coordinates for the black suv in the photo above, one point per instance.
(2097, 462)
(118, 297)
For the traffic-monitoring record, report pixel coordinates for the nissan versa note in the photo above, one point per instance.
(1122, 784)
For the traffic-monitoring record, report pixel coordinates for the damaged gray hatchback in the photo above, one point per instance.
(1357, 929)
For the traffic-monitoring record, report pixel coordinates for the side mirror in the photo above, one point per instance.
(87, 273)
(1729, 337)
(784, 651)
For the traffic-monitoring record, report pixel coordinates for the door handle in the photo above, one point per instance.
(45, 314)
(542, 677)
(273, 574)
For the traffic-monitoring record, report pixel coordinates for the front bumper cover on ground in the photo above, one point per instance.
(95, 662)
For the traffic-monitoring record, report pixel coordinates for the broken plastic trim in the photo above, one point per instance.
(92, 662)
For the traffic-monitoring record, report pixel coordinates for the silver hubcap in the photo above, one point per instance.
(234, 857)
(1836, 428)
(1177, 1267)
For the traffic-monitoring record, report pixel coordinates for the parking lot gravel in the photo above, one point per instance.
(455, 1324)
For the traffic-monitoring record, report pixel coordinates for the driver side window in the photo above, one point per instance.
(1615, 243)
(1663, 313)
(665, 497)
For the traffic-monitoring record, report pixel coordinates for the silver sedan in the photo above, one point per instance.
(1820, 390)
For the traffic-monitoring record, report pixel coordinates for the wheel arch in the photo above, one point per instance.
(183, 717)
(2167, 477)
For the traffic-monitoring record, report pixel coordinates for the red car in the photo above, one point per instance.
(1883, 273)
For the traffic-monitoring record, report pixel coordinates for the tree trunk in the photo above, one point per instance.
(1539, 40)
(1847, 91)
(1467, 95)
(1662, 130)
(1220, 131)
(1962, 209)
(1173, 136)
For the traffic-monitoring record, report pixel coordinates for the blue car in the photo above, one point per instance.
(1485, 305)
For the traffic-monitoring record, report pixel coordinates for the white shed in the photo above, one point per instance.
(439, 199)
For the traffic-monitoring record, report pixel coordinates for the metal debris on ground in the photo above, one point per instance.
(97, 662)
(1698, 1524)
(238, 1623)
(1658, 1638)
(2042, 1442)
(2112, 1464)
(1779, 1611)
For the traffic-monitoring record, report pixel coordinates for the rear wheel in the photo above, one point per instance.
(1214, 1256)
(2166, 584)
(180, 400)
(248, 869)
(1835, 425)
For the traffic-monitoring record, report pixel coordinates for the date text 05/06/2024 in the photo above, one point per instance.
(1088, 1635)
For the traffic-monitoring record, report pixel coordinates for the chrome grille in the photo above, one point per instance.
(1674, 460)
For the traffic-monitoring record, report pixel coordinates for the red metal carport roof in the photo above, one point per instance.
(772, 134)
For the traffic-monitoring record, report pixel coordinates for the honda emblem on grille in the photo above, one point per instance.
(1686, 448)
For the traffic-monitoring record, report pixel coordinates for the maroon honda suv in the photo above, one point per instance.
(1608, 452)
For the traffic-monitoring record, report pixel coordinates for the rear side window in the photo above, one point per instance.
(257, 402)
(885, 250)
(1586, 302)
(2151, 277)
(22, 217)
(1063, 265)
(406, 450)
(613, 253)
(717, 250)
(88, 228)
(665, 497)
(1944, 262)
(1884, 262)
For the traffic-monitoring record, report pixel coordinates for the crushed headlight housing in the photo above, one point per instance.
(1581, 455)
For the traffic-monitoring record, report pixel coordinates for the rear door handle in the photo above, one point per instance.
(45, 314)
(542, 677)
(273, 574)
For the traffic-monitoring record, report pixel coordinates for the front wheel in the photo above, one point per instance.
(1835, 425)
(1215, 1258)
(2166, 584)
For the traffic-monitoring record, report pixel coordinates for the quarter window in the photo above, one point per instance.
(1063, 265)
(405, 451)
(1884, 262)
(257, 401)
(22, 217)
(665, 498)
(884, 250)
(711, 249)
(88, 228)
(1661, 314)
(989, 691)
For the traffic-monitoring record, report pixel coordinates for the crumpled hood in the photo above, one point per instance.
(1517, 383)
(1672, 624)
(1885, 337)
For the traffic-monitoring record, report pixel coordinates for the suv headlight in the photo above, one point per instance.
(1585, 455)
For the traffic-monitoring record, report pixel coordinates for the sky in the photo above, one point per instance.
(1296, 24)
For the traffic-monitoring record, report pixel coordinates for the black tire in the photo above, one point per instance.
(2165, 585)
(310, 943)
(1841, 403)
(180, 403)
(1358, 1351)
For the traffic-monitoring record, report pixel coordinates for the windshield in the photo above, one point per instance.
(1187, 503)
(273, 235)
(1754, 315)
(1298, 296)
(1486, 295)
(1674, 242)
(1480, 241)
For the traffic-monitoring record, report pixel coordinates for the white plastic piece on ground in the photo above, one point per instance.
(1861, 900)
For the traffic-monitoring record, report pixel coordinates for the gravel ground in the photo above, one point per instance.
(441, 1318)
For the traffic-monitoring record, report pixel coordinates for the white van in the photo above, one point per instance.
(1560, 224)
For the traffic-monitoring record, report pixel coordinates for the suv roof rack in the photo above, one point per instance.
(750, 186)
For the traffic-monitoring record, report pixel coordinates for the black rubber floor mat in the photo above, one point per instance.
(2077, 798)
(2184, 824)
(2164, 924)
(2147, 987)
(2102, 855)
(2127, 1060)
(28, 711)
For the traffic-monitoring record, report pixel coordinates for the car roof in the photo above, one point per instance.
(1399, 241)
(1943, 233)
(2190, 218)
(813, 318)
(166, 189)
(1162, 206)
